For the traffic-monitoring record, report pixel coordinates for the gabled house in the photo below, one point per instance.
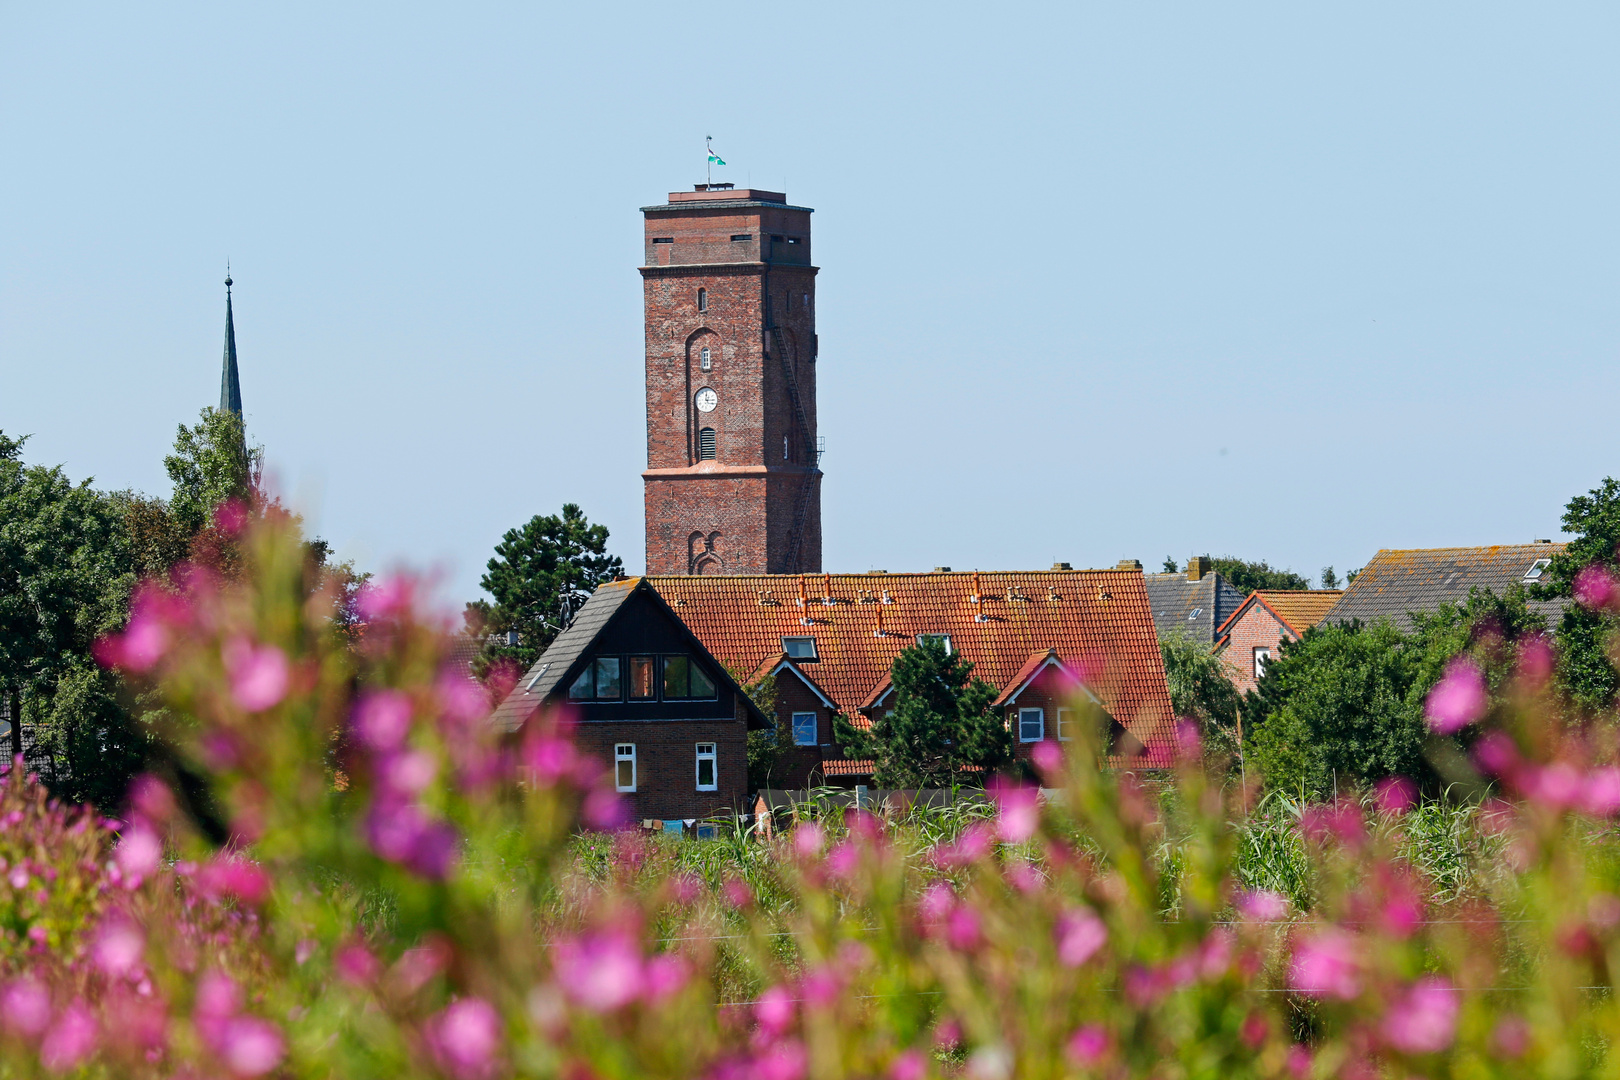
(831, 639)
(1194, 604)
(1253, 633)
(1398, 582)
(650, 701)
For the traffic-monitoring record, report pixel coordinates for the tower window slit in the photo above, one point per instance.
(703, 299)
(706, 444)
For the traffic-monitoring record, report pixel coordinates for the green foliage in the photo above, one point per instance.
(766, 749)
(540, 575)
(1247, 576)
(1344, 704)
(1169, 566)
(942, 723)
(211, 464)
(1584, 636)
(1330, 580)
(1200, 690)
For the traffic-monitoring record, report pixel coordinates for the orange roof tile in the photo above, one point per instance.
(1099, 622)
(1299, 609)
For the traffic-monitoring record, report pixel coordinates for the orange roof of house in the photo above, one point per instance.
(1099, 622)
(1297, 609)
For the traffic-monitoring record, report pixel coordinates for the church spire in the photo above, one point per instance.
(230, 383)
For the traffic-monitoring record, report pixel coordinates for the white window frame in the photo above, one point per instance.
(1040, 719)
(624, 752)
(814, 728)
(1065, 718)
(705, 359)
(703, 300)
(799, 637)
(946, 638)
(706, 752)
(1262, 657)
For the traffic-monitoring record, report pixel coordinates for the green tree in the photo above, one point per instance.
(211, 464)
(1247, 576)
(766, 748)
(1584, 636)
(540, 575)
(942, 723)
(1330, 580)
(1200, 690)
(1169, 566)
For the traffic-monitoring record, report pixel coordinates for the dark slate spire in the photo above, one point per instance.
(230, 383)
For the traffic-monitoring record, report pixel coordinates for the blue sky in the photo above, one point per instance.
(1098, 281)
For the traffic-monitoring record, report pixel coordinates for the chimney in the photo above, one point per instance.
(1129, 564)
(1197, 567)
(1061, 566)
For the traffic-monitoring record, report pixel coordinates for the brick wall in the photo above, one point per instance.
(1050, 692)
(801, 761)
(732, 514)
(1256, 628)
(666, 763)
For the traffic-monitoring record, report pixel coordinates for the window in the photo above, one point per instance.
(943, 639)
(706, 444)
(706, 771)
(703, 299)
(598, 682)
(1031, 725)
(686, 681)
(794, 240)
(1065, 725)
(1194, 613)
(737, 238)
(800, 648)
(784, 448)
(1536, 568)
(643, 686)
(624, 766)
(1262, 657)
(663, 239)
(706, 359)
(804, 729)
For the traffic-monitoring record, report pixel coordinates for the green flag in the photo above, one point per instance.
(715, 159)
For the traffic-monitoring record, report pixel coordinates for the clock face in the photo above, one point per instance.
(706, 400)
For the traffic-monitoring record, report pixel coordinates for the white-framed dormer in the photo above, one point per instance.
(1031, 672)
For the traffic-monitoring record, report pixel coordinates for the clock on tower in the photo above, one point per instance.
(733, 480)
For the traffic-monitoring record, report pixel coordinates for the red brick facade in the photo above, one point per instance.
(1254, 628)
(729, 272)
(666, 764)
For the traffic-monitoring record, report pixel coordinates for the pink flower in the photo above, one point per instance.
(466, 1037)
(1600, 795)
(962, 928)
(25, 1007)
(258, 674)
(118, 947)
(1088, 1045)
(232, 875)
(1325, 964)
(808, 837)
(1048, 758)
(908, 1065)
(1079, 935)
(664, 976)
(382, 718)
(737, 892)
(230, 516)
(1189, 743)
(1594, 587)
(70, 1040)
(605, 811)
(1496, 755)
(218, 996)
(147, 636)
(936, 902)
(138, 853)
(775, 1010)
(355, 964)
(1511, 1038)
(1458, 699)
(1020, 813)
(1340, 819)
(1395, 794)
(1557, 786)
(401, 833)
(548, 757)
(252, 1047)
(1262, 905)
(393, 595)
(785, 1060)
(600, 971)
(18, 877)
(461, 701)
(1535, 661)
(971, 846)
(408, 772)
(1424, 1020)
(842, 860)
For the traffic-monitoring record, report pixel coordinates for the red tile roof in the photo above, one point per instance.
(1099, 622)
(1296, 609)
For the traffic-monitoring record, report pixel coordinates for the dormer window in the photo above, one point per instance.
(800, 648)
(944, 641)
(703, 299)
(706, 358)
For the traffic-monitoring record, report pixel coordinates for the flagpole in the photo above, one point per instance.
(708, 164)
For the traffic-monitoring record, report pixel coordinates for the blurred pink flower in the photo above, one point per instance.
(233, 875)
(18, 878)
(1048, 758)
(25, 1007)
(1424, 1019)
(687, 887)
(664, 976)
(1326, 964)
(820, 986)
(775, 1010)
(258, 674)
(1262, 905)
(70, 1040)
(962, 929)
(1020, 813)
(392, 595)
(843, 859)
(1594, 587)
(1458, 699)
(1600, 794)
(737, 892)
(230, 516)
(1496, 755)
(153, 610)
(461, 701)
(549, 758)
(1557, 786)
(1189, 743)
(1511, 1037)
(973, 844)
(401, 833)
(119, 946)
(785, 1060)
(936, 902)
(252, 1047)
(407, 772)
(1088, 1045)
(139, 852)
(1299, 1061)
(1339, 819)
(355, 964)
(808, 837)
(604, 810)
(218, 996)
(1535, 661)
(151, 798)
(1395, 794)
(466, 1038)
(1215, 954)
(1079, 935)
(908, 1065)
(382, 719)
(601, 971)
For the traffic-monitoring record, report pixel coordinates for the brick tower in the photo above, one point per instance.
(733, 483)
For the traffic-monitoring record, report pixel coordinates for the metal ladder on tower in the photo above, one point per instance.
(801, 506)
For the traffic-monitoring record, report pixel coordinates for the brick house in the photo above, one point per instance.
(650, 701)
(830, 640)
(1193, 604)
(1253, 633)
(1397, 583)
